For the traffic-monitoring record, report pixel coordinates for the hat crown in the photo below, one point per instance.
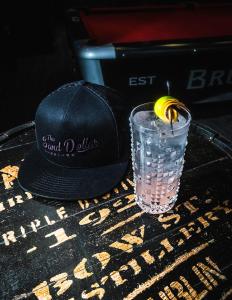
(76, 127)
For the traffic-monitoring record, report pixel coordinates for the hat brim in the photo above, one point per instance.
(46, 179)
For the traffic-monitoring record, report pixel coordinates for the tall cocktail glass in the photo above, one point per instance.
(158, 156)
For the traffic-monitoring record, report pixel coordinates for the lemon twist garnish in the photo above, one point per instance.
(164, 108)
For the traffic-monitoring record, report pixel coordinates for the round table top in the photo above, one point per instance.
(108, 248)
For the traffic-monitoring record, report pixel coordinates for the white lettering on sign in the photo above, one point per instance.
(196, 79)
(202, 78)
(141, 80)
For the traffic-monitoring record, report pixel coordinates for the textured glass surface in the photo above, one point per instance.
(158, 157)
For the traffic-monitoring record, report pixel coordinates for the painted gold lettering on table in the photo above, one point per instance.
(181, 293)
(135, 237)
(13, 201)
(168, 247)
(203, 221)
(148, 258)
(208, 273)
(211, 216)
(124, 186)
(35, 224)
(2, 207)
(130, 197)
(31, 249)
(185, 232)
(175, 218)
(120, 202)
(193, 227)
(80, 270)
(224, 208)
(9, 174)
(163, 296)
(60, 236)
(42, 292)
(182, 289)
(126, 207)
(131, 202)
(116, 275)
(192, 209)
(169, 293)
(95, 217)
(226, 295)
(189, 205)
(130, 182)
(48, 221)
(103, 257)
(196, 227)
(134, 265)
(201, 277)
(9, 237)
(62, 213)
(98, 217)
(23, 231)
(178, 289)
(194, 294)
(61, 283)
(95, 201)
(181, 259)
(97, 292)
(29, 195)
(83, 204)
(104, 279)
(122, 223)
(19, 199)
(106, 196)
(117, 203)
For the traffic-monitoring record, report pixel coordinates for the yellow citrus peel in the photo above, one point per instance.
(164, 108)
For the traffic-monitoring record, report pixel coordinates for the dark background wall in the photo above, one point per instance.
(36, 56)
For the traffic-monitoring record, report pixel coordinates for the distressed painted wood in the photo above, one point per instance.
(107, 248)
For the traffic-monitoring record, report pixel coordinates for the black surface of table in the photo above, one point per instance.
(107, 248)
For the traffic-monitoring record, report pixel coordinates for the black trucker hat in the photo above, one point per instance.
(81, 147)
